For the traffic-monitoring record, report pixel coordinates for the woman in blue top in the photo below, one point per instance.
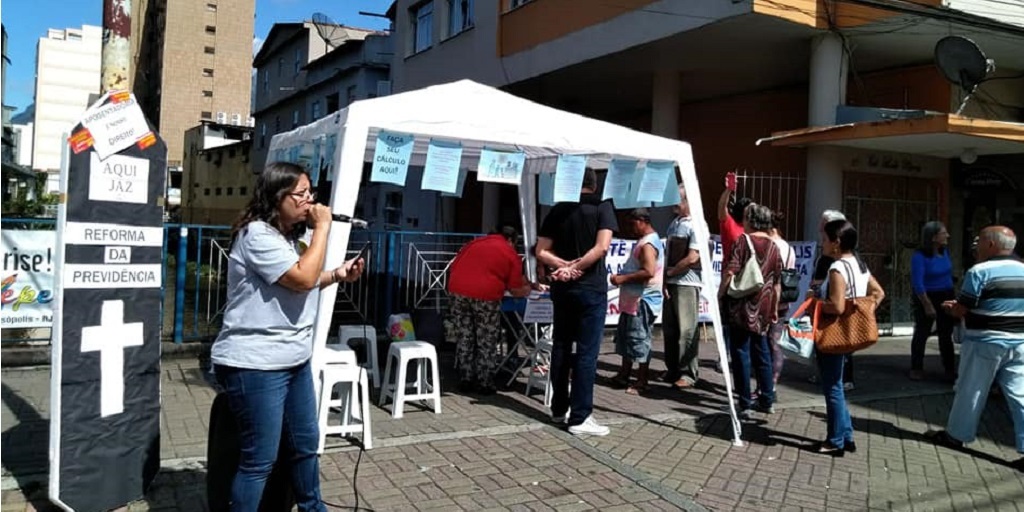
(262, 353)
(931, 277)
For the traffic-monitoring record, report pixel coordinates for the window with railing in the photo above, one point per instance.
(422, 26)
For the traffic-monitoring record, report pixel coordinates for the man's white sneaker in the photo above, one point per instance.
(589, 427)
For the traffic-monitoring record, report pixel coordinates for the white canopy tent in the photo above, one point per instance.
(479, 116)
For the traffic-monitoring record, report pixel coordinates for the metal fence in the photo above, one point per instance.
(405, 272)
(784, 192)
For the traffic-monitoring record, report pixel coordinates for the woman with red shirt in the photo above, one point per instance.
(479, 276)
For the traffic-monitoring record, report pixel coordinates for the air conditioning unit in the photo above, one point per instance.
(236, 119)
(222, 117)
(383, 88)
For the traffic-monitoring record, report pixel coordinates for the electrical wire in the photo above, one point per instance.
(357, 442)
(941, 14)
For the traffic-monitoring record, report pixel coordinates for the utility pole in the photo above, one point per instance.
(117, 32)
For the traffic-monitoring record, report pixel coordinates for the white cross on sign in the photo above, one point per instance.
(110, 338)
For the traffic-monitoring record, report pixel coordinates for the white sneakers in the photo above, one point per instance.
(589, 427)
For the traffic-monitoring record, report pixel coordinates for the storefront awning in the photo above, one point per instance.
(939, 135)
(18, 171)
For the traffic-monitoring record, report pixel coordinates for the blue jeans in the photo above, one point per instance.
(268, 404)
(837, 416)
(578, 330)
(746, 347)
(980, 363)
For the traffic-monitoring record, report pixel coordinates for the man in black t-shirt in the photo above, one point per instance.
(572, 243)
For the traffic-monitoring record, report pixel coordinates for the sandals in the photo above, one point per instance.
(637, 389)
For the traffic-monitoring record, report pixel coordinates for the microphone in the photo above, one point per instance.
(356, 223)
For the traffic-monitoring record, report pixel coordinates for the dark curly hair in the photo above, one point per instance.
(276, 181)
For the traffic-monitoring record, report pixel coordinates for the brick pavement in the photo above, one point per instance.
(665, 448)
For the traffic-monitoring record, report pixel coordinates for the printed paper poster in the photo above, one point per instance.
(652, 187)
(118, 178)
(546, 188)
(616, 184)
(671, 193)
(462, 183)
(327, 150)
(630, 202)
(115, 125)
(441, 169)
(391, 157)
(569, 178)
(500, 167)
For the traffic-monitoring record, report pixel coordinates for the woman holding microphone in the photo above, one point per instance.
(262, 354)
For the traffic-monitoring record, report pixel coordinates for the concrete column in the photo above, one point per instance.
(826, 91)
(665, 104)
(489, 212)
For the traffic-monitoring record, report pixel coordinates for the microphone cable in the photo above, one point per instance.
(359, 443)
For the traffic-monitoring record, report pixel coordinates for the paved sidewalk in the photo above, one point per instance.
(668, 450)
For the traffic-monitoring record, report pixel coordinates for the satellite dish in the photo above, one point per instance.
(327, 29)
(962, 63)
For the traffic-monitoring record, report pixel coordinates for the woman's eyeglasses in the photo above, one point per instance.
(305, 194)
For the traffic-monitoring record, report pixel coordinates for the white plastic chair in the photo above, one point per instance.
(404, 352)
(357, 390)
(346, 333)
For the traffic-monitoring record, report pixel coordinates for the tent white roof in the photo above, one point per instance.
(480, 116)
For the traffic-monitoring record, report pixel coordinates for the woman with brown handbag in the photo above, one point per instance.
(848, 280)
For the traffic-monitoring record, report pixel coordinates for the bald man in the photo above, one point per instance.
(991, 301)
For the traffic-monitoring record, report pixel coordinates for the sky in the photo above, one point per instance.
(27, 21)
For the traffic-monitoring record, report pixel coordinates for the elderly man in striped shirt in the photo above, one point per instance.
(991, 301)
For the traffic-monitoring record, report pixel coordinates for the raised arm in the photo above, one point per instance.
(723, 204)
(305, 274)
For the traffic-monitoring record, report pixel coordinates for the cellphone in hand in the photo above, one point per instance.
(363, 252)
(730, 181)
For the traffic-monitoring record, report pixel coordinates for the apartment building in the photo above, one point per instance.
(301, 77)
(827, 104)
(15, 176)
(218, 180)
(67, 73)
(191, 63)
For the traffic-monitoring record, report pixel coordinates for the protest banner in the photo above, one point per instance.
(27, 299)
